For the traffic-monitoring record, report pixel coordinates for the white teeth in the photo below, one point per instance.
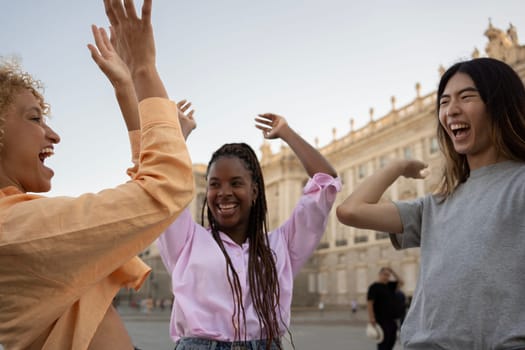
(457, 126)
(226, 206)
(46, 152)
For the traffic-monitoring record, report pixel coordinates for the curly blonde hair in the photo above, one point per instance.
(12, 81)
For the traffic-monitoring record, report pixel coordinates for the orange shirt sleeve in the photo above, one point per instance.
(56, 251)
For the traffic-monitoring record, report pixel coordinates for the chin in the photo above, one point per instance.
(41, 188)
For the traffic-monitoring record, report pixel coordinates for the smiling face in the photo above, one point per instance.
(27, 142)
(230, 196)
(464, 117)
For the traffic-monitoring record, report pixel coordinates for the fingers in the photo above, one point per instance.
(113, 36)
(116, 11)
(264, 120)
(109, 13)
(183, 105)
(95, 55)
(423, 173)
(101, 40)
(263, 128)
(146, 11)
(108, 47)
(130, 9)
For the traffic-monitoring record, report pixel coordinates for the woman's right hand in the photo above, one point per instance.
(187, 122)
(134, 35)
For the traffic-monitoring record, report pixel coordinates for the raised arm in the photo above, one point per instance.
(116, 70)
(136, 45)
(362, 208)
(397, 278)
(275, 126)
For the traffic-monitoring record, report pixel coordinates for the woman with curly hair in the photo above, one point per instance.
(63, 259)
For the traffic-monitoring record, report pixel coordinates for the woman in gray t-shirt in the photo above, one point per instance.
(471, 291)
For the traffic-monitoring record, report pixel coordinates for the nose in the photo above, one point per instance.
(453, 108)
(225, 190)
(52, 135)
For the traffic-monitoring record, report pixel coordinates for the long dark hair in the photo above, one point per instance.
(262, 272)
(503, 93)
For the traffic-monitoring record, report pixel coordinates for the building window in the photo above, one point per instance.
(434, 145)
(407, 152)
(341, 282)
(361, 282)
(322, 279)
(360, 239)
(381, 235)
(362, 171)
(311, 283)
(323, 245)
(341, 242)
(382, 161)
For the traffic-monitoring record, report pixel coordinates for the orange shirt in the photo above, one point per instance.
(63, 259)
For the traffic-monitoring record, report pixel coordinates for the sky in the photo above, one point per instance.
(317, 63)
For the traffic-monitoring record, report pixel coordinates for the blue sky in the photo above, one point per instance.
(318, 63)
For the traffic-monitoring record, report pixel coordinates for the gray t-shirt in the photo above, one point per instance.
(471, 287)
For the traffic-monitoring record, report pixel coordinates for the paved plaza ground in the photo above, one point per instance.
(311, 330)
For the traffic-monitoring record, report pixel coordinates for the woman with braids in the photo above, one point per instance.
(232, 281)
(471, 289)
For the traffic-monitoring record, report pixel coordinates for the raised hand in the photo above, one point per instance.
(134, 35)
(107, 58)
(272, 125)
(415, 169)
(133, 38)
(187, 122)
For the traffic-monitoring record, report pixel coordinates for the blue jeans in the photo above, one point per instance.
(208, 344)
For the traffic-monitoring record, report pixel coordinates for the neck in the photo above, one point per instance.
(476, 162)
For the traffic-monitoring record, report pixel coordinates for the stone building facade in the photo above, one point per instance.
(347, 259)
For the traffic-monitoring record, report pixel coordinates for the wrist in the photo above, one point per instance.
(143, 70)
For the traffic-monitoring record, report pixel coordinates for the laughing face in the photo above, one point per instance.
(27, 142)
(464, 117)
(230, 195)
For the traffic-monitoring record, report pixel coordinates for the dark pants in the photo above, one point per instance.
(208, 344)
(390, 334)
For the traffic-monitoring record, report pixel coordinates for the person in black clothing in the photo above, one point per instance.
(383, 308)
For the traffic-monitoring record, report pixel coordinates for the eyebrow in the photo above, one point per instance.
(467, 89)
(233, 178)
(35, 109)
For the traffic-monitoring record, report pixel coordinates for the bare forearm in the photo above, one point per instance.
(362, 208)
(370, 309)
(373, 187)
(148, 83)
(311, 159)
(127, 100)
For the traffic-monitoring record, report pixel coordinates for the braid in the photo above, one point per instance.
(262, 272)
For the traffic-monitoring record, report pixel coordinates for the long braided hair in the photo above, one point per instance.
(262, 272)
